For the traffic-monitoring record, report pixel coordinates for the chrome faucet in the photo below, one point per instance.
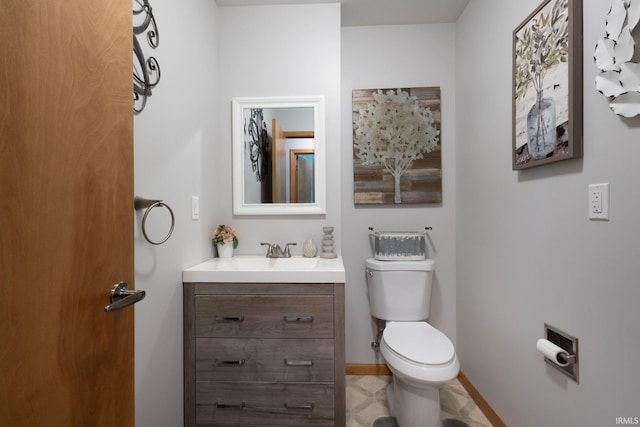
(274, 250)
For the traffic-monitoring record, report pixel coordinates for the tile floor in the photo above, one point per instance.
(367, 401)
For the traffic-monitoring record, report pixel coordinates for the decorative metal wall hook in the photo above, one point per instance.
(146, 72)
(259, 142)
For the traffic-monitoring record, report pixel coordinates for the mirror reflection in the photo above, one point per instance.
(279, 155)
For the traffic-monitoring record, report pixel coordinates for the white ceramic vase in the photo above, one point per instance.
(309, 249)
(225, 250)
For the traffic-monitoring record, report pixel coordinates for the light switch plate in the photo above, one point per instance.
(195, 208)
(599, 201)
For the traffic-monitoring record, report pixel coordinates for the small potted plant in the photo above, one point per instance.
(225, 238)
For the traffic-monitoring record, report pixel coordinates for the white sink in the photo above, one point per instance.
(259, 269)
(262, 263)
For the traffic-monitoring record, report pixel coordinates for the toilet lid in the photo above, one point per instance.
(419, 342)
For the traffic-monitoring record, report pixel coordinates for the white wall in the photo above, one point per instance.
(518, 244)
(207, 56)
(298, 56)
(386, 57)
(175, 159)
(527, 253)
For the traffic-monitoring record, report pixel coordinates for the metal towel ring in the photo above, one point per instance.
(149, 204)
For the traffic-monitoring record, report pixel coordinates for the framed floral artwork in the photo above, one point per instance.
(397, 146)
(547, 85)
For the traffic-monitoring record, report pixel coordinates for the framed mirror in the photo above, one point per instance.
(278, 155)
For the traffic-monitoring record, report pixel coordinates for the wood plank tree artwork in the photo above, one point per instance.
(397, 146)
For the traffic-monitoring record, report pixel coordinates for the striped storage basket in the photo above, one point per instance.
(390, 246)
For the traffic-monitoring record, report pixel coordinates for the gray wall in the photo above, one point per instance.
(207, 56)
(387, 57)
(513, 249)
(527, 253)
(298, 56)
(174, 152)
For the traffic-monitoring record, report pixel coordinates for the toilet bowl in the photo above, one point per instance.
(421, 358)
(419, 352)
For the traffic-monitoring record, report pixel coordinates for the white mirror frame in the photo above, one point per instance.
(239, 205)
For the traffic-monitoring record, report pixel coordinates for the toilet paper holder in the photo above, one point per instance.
(569, 344)
(570, 359)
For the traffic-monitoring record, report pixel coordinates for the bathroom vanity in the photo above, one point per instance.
(264, 342)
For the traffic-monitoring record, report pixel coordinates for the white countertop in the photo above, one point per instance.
(259, 269)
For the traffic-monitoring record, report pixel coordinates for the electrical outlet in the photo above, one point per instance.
(599, 201)
(596, 201)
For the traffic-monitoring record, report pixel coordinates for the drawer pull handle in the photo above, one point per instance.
(230, 362)
(229, 318)
(298, 362)
(308, 407)
(306, 319)
(230, 406)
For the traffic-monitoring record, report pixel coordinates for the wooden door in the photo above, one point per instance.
(66, 212)
(278, 163)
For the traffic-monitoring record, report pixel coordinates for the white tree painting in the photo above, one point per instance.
(394, 129)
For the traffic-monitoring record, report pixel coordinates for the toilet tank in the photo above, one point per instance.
(399, 290)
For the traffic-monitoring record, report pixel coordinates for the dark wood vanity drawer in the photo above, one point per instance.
(238, 340)
(265, 316)
(253, 359)
(242, 404)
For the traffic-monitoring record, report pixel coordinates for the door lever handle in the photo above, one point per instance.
(122, 297)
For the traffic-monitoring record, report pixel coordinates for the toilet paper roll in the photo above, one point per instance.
(556, 354)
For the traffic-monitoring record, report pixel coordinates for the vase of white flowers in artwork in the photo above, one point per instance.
(225, 238)
(540, 46)
(541, 126)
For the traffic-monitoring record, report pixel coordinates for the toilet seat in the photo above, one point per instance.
(418, 342)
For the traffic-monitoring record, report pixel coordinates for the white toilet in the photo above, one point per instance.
(421, 358)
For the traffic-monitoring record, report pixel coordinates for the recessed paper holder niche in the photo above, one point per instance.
(569, 344)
